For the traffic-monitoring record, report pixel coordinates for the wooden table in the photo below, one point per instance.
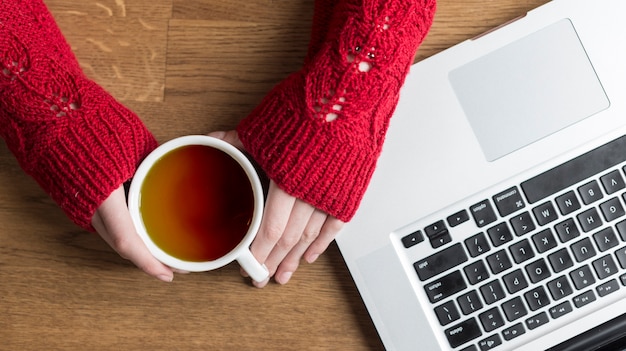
(185, 66)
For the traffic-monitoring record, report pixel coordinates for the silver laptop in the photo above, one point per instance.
(496, 218)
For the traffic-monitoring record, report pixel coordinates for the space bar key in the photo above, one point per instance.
(440, 262)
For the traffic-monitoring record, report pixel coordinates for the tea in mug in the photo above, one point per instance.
(196, 203)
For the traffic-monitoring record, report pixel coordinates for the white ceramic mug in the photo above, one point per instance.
(241, 253)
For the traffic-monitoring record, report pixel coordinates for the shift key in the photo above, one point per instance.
(440, 262)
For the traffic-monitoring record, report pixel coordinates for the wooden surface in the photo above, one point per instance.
(185, 66)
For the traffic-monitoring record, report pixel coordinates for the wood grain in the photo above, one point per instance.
(185, 66)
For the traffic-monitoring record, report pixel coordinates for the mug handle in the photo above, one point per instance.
(257, 271)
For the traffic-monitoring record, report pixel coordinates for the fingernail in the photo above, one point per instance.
(313, 258)
(284, 277)
(260, 284)
(166, 278)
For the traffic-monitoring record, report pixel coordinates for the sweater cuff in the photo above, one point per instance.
(328, 165)
(87, 160)
(82, 155)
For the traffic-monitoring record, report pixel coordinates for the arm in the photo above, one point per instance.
(318, 133)
(70, 135)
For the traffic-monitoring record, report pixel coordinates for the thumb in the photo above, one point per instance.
(230, 137)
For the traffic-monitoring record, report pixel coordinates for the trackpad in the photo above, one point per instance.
(528, 89)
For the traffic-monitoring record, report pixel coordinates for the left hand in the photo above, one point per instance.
(291, 229)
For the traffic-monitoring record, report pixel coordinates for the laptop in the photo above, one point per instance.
(496, 217)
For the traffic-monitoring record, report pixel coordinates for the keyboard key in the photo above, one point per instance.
(440, 262)
(560, 260)
(463, 332)
(582, 277)
(544, 240)
(538, 270)
(515, 281)
(499, 261)
(621, 257)
(447, 313)
(583, 250)
(438, 234)
(590, 192)
(412, 239)
(513, 332)
(560, 288)
(469, 302)
(477, 245)
(490, 343)
(499, 234)
(508, 201)
(514, 309)
(522, 224)
(483, 213)
(458, 218)
(492, 292)
(612, 209)
(567, 203)
(584, 299)
(622, 279)
(537, 321)
(521, 251)
(567, 230)
(621, 227)
(605, 267)
(435, 228)
(470, 348)
(605, 239)
(589, 220)
(545, 213)
(445, 286)
(476, 272)
(491, 319)
(440, 239)
(612, 182)
(537, 298)
(560, 310)
(607, 288)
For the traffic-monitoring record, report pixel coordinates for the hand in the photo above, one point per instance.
(112, 221)
(291, 229)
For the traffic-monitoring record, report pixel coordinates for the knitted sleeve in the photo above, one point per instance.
(69, 134)
(318, 133)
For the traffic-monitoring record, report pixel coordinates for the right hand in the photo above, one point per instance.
(113, 222)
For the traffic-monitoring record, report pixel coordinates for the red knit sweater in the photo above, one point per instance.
(317, 134)
(69, 134)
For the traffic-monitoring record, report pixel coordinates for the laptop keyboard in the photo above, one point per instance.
(527, 258)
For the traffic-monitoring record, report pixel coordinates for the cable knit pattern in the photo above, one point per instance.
(69, 134)
(318, 133)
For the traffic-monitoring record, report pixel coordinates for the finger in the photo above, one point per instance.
(291, 262)
(112, 221)
(329, 231)
(230, 137)
(298, 220)
(278, 208)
